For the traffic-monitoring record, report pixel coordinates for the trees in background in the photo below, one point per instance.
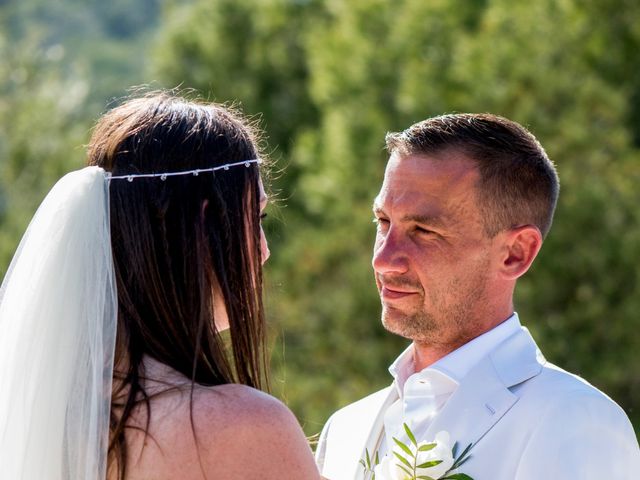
(61, 64)
(328, 79)
(39, 124)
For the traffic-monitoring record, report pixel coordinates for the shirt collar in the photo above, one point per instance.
(457, 364)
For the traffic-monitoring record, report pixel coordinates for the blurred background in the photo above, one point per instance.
(327, 79)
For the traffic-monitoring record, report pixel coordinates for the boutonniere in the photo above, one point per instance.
(419, 460)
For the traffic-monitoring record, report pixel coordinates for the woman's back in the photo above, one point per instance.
(149, 253)
(238, 432)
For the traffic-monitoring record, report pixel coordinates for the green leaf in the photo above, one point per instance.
(376, 461)
(404, 470)
(461, 459)
(466, 450)
(402, 459)
(363, 464)
(404, 448)
(461, 462)
(430, 464)
(366, 454)
(457, 476)
(427, 447)
(410, 434)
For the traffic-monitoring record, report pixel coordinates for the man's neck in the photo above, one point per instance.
(425, 355)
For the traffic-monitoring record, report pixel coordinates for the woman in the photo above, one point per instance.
(180, 261)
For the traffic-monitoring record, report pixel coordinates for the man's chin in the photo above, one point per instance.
(397, 324)
(412, 326)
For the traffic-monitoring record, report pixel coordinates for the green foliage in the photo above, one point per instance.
(37, 129)
(332, 77)
(329, 78)
(61, 62)
(412, 462)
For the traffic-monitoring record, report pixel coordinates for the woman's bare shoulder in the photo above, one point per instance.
(260, 433)
(227, 431)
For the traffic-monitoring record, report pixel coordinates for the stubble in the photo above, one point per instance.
(443, 319)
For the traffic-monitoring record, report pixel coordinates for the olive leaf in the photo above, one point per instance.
(403, 460)
(404, 448)
(426, 447)
(409, 465)
(410, 434)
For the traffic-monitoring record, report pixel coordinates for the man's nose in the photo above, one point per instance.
(264, 246)
(389, 254)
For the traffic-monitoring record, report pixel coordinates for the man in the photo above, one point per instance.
(465, 204)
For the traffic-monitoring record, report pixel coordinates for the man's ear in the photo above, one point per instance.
(519, 249)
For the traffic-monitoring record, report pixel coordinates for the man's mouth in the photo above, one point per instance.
(395, 293)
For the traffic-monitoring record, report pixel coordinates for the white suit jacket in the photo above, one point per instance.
(527, 419)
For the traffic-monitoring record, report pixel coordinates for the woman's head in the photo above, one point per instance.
(187, 249)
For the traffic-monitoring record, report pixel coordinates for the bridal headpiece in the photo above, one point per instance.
(163, 176)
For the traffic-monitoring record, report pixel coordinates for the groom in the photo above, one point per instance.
(465, 204)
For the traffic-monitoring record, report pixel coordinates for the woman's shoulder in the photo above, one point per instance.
(260, 432)
(226, 431)
(242, 411)
(235, 404)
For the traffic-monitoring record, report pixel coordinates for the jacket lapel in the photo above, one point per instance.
(377, 431)
(484, 395)
(349, 432)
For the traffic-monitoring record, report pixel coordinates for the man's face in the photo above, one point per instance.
(433, 262)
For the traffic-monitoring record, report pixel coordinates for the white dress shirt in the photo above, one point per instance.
(422, 395)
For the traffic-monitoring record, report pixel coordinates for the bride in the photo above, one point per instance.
(131, 318)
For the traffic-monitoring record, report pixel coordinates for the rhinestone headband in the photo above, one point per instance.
(195, 173)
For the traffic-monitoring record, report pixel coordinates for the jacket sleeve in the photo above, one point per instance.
(321, 448)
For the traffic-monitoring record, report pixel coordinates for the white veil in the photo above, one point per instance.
(58, 310)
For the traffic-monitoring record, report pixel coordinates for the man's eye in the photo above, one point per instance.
(381, 222)
(423, 230)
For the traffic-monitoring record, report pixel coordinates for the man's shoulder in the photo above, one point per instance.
(546, 389)
(571, 423)
(565, 389)
(525, 371)
(558, 399)
(558, 381)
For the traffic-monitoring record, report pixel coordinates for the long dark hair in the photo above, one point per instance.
(176, 241)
